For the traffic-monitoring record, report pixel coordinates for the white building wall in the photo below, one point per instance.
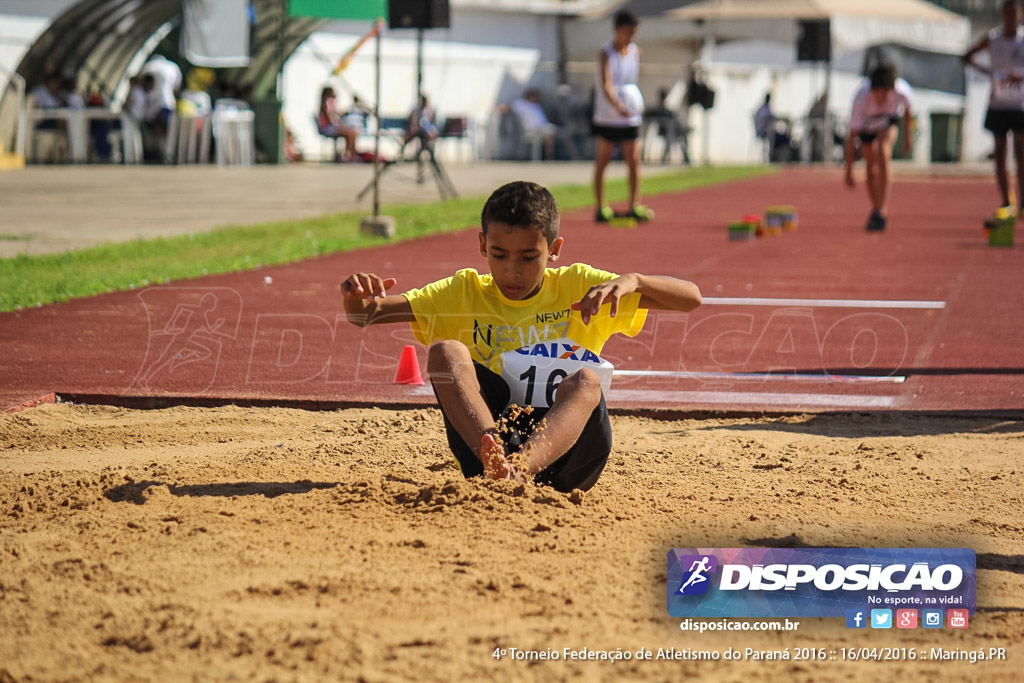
(485, 58)
(740, 90)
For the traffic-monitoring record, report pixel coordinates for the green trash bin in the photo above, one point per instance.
(268, 128)
(947, 136)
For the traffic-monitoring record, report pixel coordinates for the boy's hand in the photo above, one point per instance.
(609, 291)
(365, 286)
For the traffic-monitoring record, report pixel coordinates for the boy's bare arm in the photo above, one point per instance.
(367, 302)
(968, 58)
(608, 85)
(657, 292)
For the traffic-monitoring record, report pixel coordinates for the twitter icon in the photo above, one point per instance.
(881, 618)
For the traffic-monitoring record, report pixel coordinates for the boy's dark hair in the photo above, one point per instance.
(522, 204)
(625, 18)
(883, 76)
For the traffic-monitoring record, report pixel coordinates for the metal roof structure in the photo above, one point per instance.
(99, 40)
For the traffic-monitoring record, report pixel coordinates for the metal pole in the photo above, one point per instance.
(376, 135)
(419, 101)
(419, 64)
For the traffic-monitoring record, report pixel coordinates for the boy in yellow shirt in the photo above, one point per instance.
(520, 345)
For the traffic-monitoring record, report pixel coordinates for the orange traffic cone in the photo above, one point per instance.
(408, 367)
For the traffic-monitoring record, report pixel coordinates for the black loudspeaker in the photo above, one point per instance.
(815, 42)
(418, 14)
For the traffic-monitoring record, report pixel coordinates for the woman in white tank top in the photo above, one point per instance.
(618, 113)
(1005, 46)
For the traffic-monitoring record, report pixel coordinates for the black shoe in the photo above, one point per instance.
(876, 222)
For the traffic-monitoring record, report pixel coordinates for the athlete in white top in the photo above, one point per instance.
(618, 113)
(1005, 46)
(877, 109)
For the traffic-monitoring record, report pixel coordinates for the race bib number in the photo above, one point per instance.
(534, 372)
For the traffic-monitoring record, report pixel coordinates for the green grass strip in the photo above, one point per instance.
(27, 281)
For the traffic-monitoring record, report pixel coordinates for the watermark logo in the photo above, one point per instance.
(906, 618)
(188, 330)
(696, 580)
(821, 582)
(881, 618)
(931, 618)
(956, 618)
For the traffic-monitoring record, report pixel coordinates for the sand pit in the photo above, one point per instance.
(271, 544)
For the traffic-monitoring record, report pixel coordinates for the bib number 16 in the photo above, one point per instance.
(554, 378)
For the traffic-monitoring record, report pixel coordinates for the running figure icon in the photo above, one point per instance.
(698, 570)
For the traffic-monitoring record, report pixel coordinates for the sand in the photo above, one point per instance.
(273, 544)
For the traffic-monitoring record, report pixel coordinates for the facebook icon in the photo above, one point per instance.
(855, 618)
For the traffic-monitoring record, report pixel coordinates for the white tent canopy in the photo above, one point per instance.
(855, 24)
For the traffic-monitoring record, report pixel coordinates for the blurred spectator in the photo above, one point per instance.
(69, 93)
(773, 132)
(423, 123)
(763, 118)
(291, 149)
(357, 115)
(195, 94)
(135, 104)
(47, 95)
(330, 125)
(535, 122)
(162, 98)
(669, 126)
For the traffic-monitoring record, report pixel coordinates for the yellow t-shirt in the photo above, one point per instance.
(468, 307)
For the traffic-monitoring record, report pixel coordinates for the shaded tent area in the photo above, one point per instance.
(99, 40)
(104, 42)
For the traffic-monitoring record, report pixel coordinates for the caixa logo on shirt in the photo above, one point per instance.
(561, 351)
(816, 582)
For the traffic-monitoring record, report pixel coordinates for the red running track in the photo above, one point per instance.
(236, 337)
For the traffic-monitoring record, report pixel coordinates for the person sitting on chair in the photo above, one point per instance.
(669, 126)
(423, 123)
(330, 125)
(534, 120)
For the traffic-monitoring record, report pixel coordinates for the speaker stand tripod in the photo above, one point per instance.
(430, 165)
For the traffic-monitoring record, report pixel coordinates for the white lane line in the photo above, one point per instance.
(751, 399)
(742, 398)
(822, 303)
(765, 376)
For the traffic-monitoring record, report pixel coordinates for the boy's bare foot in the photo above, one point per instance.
(496, 465)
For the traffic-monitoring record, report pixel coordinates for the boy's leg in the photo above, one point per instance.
(884, 155)
(458, 390)
(869, 150)
(1018, 155)
(1002, 179)
(577, 397)
(631, 155)
(602, 156)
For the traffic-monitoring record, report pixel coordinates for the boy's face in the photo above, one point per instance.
(625, 34)
(517, 258)
(1011, 14)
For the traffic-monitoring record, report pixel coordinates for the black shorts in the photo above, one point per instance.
(1002, 121)
(615, 133)
(578, 468)
(868, 138)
